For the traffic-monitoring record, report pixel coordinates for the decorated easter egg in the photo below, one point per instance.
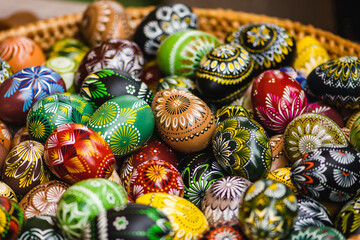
(43, 199)
(187, 221)
(113, 53)
(21, 52)
(223, 230)
(346, 220)
(12, 219)
(74, 152)
(224, 73)
(335, 82)
(324, 109)
(283, 175)
(230, 111)
(223, 198)
(24, 88)
(277, 99)
(5, 70)
(82, 201)
(180, 53)
(24, 167)
(241, 146)
(54, 110)
(105, 84)
(329, 173)
(317, 233)
(66, 67)
(126, 123)
(355, 134)
(311, 213)
(69, 48)
(199, 171)
(270, 45)
(7, 192)
(20, 135)
(309, 131)
(268, 203)
(179, 82)
(155, 176)
(183, 120)
(279, 159)
(5, 136)
(105, 20)
(41, 227)
(162, 22)
(151, 75)
(133, 222)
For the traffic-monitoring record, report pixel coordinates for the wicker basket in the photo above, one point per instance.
(218, 22)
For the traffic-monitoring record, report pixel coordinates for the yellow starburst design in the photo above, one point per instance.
(258, 35)
(104, 115)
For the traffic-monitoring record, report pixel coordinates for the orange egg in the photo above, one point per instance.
(5, 135)
(21, 52)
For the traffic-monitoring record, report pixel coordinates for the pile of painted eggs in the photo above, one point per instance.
(163, 131)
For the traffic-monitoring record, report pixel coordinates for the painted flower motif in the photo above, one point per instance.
(276, 190)
(291, 203)
(110, 198)
(120, 223)
(106, 114)
(130, 89)
(223, 147)
(125, 139)
(229, 187)
(341, 156)
(344, 178)
(254, 190)
(258, 35)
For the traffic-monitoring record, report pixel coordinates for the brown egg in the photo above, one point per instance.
(21, 135)
(5, 136)
(278, 154)
(3, 154)
(6, 191)
(21, 52)
(43, 199)
(103, 20)
(184, 121)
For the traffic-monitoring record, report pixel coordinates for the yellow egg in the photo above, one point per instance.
(283, 175)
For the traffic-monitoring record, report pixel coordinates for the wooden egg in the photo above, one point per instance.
(268, 210)
(12, 219)
(335, 82)
(241, 146)
(224, 73)
(283, 175)
(179, 82)
(54, 110)
(43, 199)
(105, 84)
(74, 152)
(162, 22)
(155, 176)
(315, 232)
(24, 167)
(118, 54)
(223, 230)
(223, 199)
(20, 91)
(5, 70)
(270, 45)
(309, 131)
(82, 201)
(279, 159)
(21, 52)
(5, 136)
(133, 221)
(345, 220)
(277, 99)
(70, 48)
(187, 48)
(187, 221)
(329, 173)
(183, 120)
(126, 123)
(7, 192)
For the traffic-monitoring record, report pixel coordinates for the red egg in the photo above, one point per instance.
(155, 176)
(74, 152)
(277, 99)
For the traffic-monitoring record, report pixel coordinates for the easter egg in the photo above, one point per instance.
(268, 203)
(66, 67)
(180, 53)
(329, 173)
(74, 152)
(355, 134)
(155, 176)
(117, 53)
(54, 110)
(187, 221)
(105, 84)
(5, 70)
(230, 111)
(315, 233)
(126, 123)
(43, 199)
(199, 171)
(270, 45)
(241, 146)
(223, 199)
(7, 192)
(24, 167)
(161, 22)
(326, 110)
(20, 135)
(5, 136)
(277, 99)
(224, 73)
(41, 227)
(346, 220)
(279, 159)
(105, 20)
(223, 230)
(183, 120)
(335, 82)
(21, 52)
(283, 175)
(12, 219)
(82, 201)
(179, 82)
(20, 91)
(70, 48)
(133, 221)
(309, 131)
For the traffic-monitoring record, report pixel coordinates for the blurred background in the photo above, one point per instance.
(338, 16)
